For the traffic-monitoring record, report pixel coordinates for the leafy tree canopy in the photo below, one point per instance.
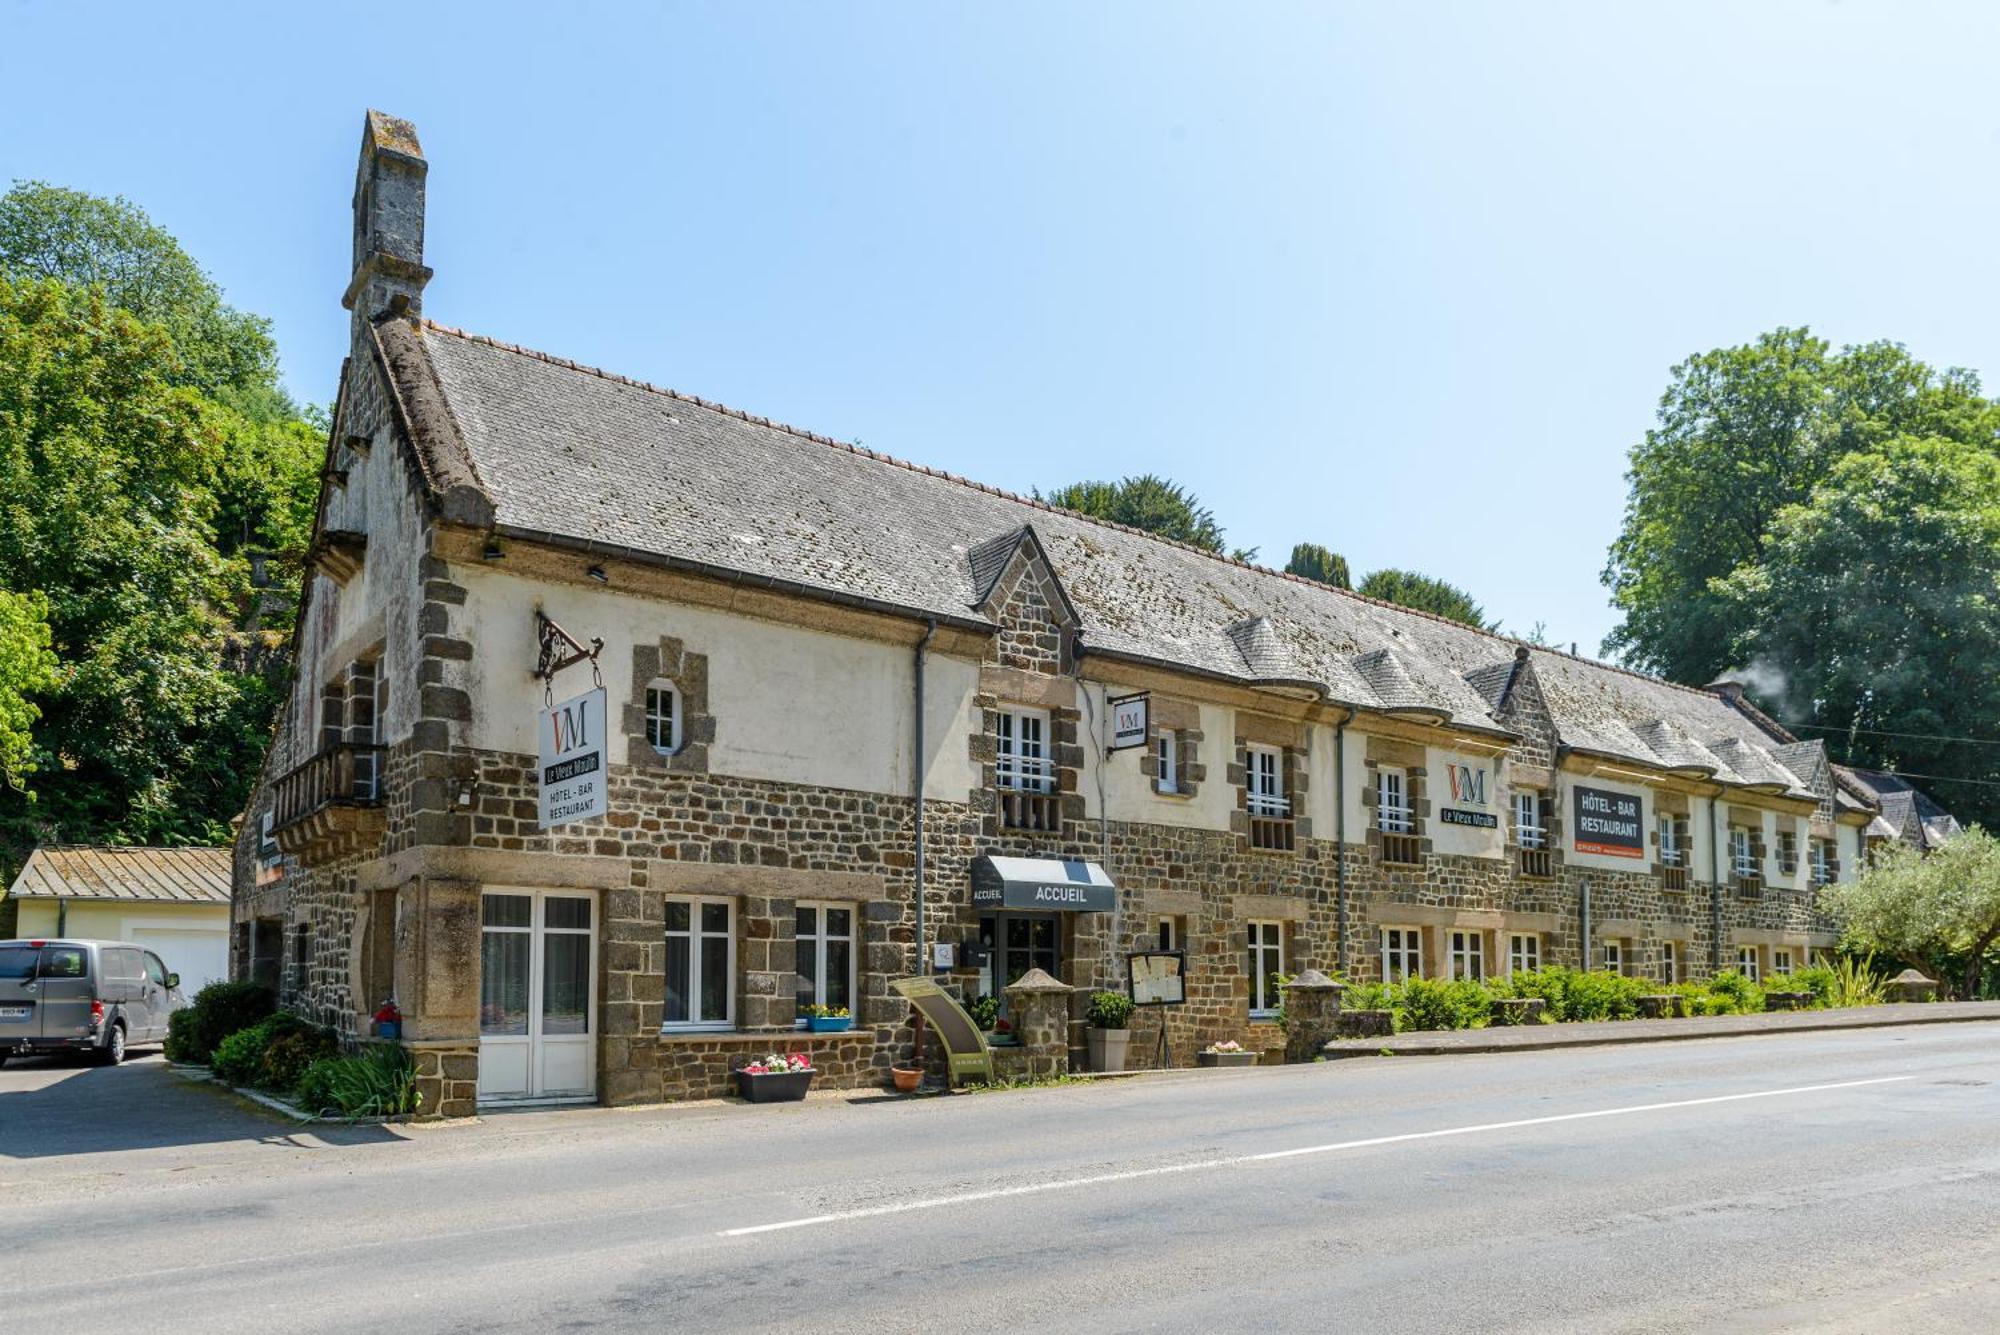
(83, 240)
(1742, 433)
(1314, 562)
(27, 668)
(1407, 588)
(1939, 911)
(1148, 502)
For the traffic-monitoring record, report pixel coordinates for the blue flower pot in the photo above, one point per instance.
(827, 1024)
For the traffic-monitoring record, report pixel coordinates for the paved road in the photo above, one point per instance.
(1843, 1181)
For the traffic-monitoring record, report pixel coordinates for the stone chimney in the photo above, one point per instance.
(388, 221)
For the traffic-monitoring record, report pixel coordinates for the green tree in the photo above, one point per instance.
(47, 231)
(1938, 910)
(1876, 602)
(1148, 502)
(1406, 588)
(1742, 433)
(1314, 562)
(27, 668)
(108, 469)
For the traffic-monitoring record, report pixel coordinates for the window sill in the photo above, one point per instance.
(1263, 1017)
(750, 1037)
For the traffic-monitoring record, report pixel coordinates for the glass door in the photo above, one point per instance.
(537, 1002)
(1019, 942)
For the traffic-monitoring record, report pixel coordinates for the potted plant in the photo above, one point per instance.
(907, 1078)
(1108, 1015)
(828, 1019)
(1226, 1053)
(778, 1078)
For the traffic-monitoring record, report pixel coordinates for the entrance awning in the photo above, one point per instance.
(1043, 884)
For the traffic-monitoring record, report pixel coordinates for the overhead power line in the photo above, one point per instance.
(1919, 736)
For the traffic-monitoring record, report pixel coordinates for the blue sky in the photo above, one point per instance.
(1404, 280)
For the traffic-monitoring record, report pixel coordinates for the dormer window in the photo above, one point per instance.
(663, 717)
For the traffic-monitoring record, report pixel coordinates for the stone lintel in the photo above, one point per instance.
(762, 882)
(492, 866)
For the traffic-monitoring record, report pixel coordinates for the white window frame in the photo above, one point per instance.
(1023, 755)
(1611, 951)
(1265, 941)
(1167, 760)
(1524, 952)
(1466, 956)
(1402, 954)
(1671, 851)
(1749, 964)
(695, 936)
(818, 908)
(1392, 801)
(267, 840)
(1529, 832)
(1781, 959)
(671, 716)
(1742, 851)
(1822, 865)
(1670, 962)
(1264, 781)
(367, 686)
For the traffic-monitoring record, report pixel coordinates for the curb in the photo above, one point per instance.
(1343, 1049)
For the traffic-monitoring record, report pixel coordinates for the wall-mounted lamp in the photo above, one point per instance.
(491, 551)
(597, 573)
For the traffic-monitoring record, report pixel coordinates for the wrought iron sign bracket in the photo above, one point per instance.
(560, 649)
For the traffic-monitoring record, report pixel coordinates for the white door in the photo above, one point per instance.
(537, 995)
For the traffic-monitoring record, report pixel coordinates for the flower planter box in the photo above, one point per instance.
(1226, 1058)
(829, 1024)
(1663, 1006)
(1787, 1001)
(1364, 1024)
(1107, 1048)
(774, 1086)
(1518, 1010)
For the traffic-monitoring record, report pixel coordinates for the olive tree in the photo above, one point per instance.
(1941, 907)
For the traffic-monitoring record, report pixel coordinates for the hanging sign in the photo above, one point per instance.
(1130, 718)
(572, 765)
(1609, 823)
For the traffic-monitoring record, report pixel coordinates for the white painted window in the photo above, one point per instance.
(1746, 963)
(824, 955)
(367, 718)
(1392, 801)
(701, 963)
(1167, 760)
(267, 842)
(1267, 960)
(1023, 760)
(1671, 844)
(1402, 954)
(1742, 853)
(1614, 956)
(1266, 782)
(1781, 961)
(1529, 832)
(1670, 961)
(1524, 952)
(1822, 862)
(1468, 954)
(663, 717)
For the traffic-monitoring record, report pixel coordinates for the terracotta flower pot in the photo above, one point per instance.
(907, 1078)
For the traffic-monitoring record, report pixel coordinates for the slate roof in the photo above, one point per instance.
(1910, 812)
(135, 875)
(576, 456)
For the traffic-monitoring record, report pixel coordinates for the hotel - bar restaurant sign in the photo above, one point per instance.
(572, 760)
(1609, 823)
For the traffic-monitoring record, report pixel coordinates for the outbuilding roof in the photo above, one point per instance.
(576, 456)
(136, 875)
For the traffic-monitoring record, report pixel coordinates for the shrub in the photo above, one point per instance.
(1108, 1010)
(1550, 984)
(273, 1054)
(1736, 994)
(1855, 982)
(1428, 1003)
(380, 1082)
(238, 1056)
(984, 1011)
(1368, 997)
(1599, 994)
(219, 1010)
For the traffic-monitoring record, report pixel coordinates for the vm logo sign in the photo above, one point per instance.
(571, 723)
(1467, 784)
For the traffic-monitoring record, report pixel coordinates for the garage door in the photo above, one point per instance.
(199, 955)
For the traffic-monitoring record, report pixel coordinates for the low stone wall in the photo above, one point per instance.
(447, 1078)
(701, 1066)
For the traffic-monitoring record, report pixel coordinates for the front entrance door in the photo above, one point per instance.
(537, 995)
(1019, 942)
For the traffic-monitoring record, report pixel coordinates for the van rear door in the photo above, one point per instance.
(19, 1016)
(66, 990)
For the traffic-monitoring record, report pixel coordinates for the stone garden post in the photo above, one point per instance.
(1312, 1013)
(1038, 1005)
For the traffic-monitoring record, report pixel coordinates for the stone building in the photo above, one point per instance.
(843, 691)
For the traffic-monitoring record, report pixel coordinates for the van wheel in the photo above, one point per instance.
(113, 1051)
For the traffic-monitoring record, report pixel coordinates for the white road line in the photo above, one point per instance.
(1096, 1179)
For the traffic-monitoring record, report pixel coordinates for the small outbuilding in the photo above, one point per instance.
(173, 901)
